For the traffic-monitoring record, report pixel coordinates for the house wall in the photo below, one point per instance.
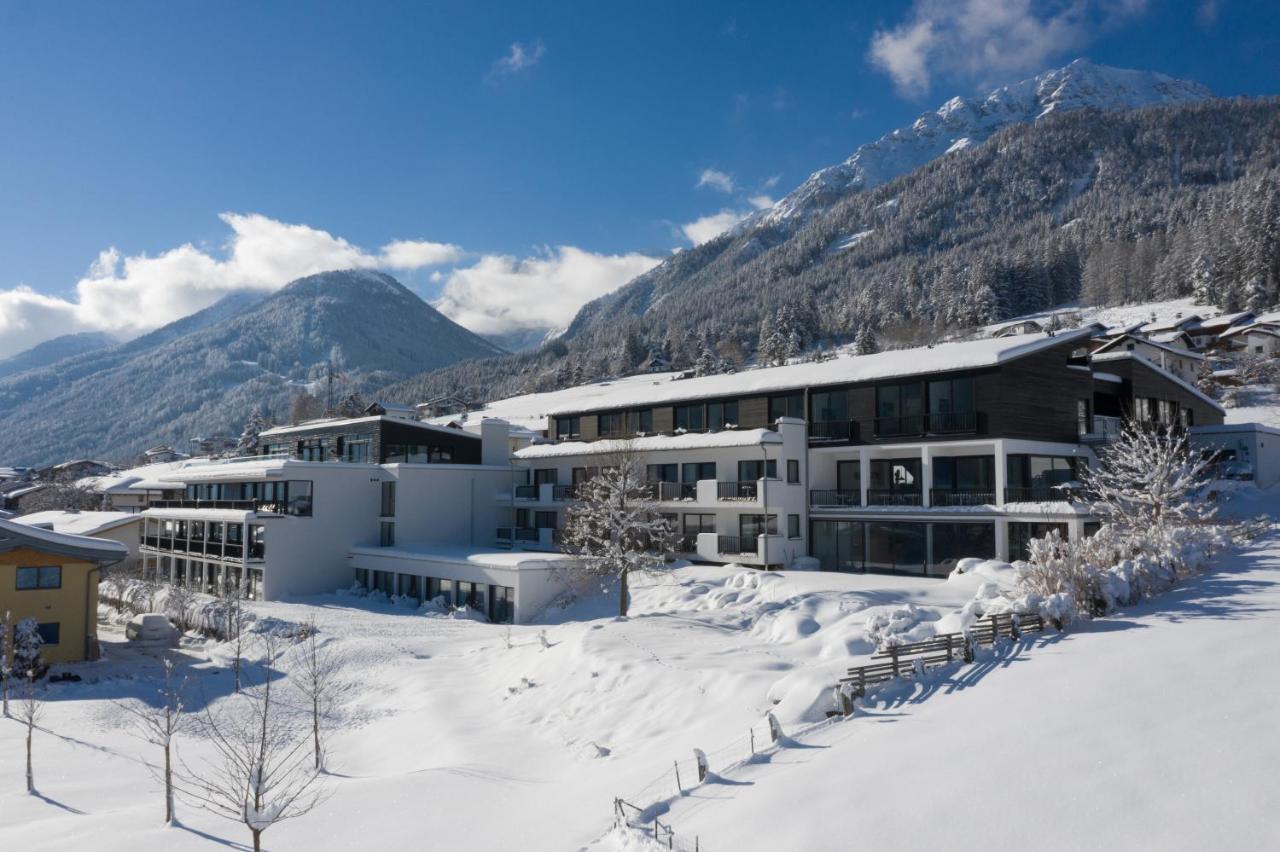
(1141, 380)
(74, 606)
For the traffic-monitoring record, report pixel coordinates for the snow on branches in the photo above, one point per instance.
(615, 527)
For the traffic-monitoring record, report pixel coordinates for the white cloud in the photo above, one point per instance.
(501, 294)
(131, 295)
(771, 181)
(711, 226)
(520, 57)
(716, 179)
(982, 39)
(1207, 12)
(761, 202)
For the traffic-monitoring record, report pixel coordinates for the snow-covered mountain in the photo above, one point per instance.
(963, 122)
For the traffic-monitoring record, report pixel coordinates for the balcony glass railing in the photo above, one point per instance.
(526, 492)
(1036, 494)
(893, 497)
(833, 430)
(961, 497)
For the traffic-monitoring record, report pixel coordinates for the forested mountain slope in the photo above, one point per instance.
(1107, 207)
(204, 374)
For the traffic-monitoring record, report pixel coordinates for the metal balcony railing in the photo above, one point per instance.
(1102, 430)
(736, 545)
(893, 497)
(564, 492)
(837, 498)
(833, 430)
(951, 422)
(961, 497)
(737, 490)
(1035, 494)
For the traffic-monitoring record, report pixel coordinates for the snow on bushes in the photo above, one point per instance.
(899, 625)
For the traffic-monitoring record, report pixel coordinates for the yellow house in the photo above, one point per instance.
(53, 578)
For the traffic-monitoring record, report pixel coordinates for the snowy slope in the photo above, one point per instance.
(1134, 728)
(963, 122)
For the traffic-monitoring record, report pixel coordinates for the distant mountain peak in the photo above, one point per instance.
(962, 122)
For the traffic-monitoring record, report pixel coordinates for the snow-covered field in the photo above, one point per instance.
(1153, 729)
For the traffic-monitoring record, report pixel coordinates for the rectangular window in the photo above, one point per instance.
(545, 476)
(793, 471)
(753, 469)
(44, 577)
(793, 526)
(544, 520)
(502, 604)
(691, 418)
(750, 526)
(899, 409)
(897, 546)
(50, 632)
(895, 474)
(1021, 533)
(611, 424)
(388, 499)
(640, 421)
(356, 448)
(791, 405)
(695, 471)
(722, 415)
(298, 495)
(838, 545)
(568, 427)
(952, 542)
(699, 523)
(829, 406)
(662, 473)
(387, 537)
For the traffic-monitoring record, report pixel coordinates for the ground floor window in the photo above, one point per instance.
(952, 542)
(897, 546)
(384, 581)
(838, 545)
(1021, 533)
(408, 586)
(362, 577)
(502, 604)
(905, 546)
(470, 595)
(50, 632)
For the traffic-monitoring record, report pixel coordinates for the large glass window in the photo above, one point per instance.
(357, 449)
(691, 418)
(849, 475)
(950, 396)
(1021, 533)
(723, 414)
(964, 473)
(662, 473)
(388, 499)
(750, 526)
(899, 409)
(502, 604)
(829, 406)
(568, 427)
(545, 476)
(952, 542)
(387, 534)
(1036, 478)
(544, 520)
(612, 424)
(897, 546)
(895, 475)
(42, 577)
(298, 493)
(50, 632)
(694, 471)
(791, 405)
(838, 545)
(640, 421)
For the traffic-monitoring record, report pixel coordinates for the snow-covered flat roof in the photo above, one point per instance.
(944, 357)
(1222, 321)
(247, 469)
(79, 523)
(652, 443)
(486, 557)
(312, 425)
(236, 515)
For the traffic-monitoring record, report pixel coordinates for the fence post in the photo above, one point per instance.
(1015, 633)
(752, 731)
(948, 635)
(893, 653)
(700, 757)
(679, 788)
(775, 729)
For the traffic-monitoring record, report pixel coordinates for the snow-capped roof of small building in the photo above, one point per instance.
(1228, 428)
(233, 515)
(1147, 362)
(1169, 337)
(137, 479)
(78, 523)
(1176, 324)
(1271, 329)
(462, 555)
(394, 409)
(14, 535)
(1176, 350)
(324, 423)
(652, 443)
(1224, 321)
(843, 369)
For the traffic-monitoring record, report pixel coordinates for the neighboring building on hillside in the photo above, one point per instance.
(122, 527)
(1017, 327)
(162, 454)
(131, 490)
(53, 578)
(1178, 360)
(1258, 338)
(75, 469)
(911, 459)
(1205, 334)
(15, 492)
(1248, 451)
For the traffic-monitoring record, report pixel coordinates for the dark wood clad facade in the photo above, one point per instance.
(462, 447)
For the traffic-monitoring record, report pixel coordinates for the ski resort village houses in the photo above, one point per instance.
(901, 461)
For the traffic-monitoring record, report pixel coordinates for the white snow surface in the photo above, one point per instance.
(77, 523)
(1135, 727)
(689, 441)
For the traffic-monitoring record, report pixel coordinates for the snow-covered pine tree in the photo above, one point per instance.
(247, 444)
(706, 363)
(866, 343)
(615, 528)
(27, 661)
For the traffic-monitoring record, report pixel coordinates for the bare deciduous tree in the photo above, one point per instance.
(158, 724)
(234, 624)
(29, 712)
(6, 666)
(317, 669)
(261, 773)
(615, 527)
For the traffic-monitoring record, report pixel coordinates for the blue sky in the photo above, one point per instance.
(525, 145)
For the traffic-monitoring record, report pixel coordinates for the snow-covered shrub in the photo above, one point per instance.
(355, 590)
(439, 605)
(26, 649)
(884, 629)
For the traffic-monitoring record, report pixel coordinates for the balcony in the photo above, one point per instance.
(961, 497)
(264, 507)
(732, 545)
(936, 423)
(670, 492)
(893, 497)
(1037, 494)
(1103, 430)
(687, 544)
(564, 492)
(836, 499)
(527, 492)
(833, 432)
(739, 491)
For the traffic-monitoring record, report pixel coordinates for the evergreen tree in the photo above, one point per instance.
(866, 343)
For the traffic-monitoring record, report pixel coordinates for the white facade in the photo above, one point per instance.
(1248, 450)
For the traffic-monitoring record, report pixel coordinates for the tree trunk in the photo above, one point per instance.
(31, 783)
(257, 840)
(623, 602)
(168, 787)
(315, 730)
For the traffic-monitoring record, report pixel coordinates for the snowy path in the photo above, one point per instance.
(1153, 729)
